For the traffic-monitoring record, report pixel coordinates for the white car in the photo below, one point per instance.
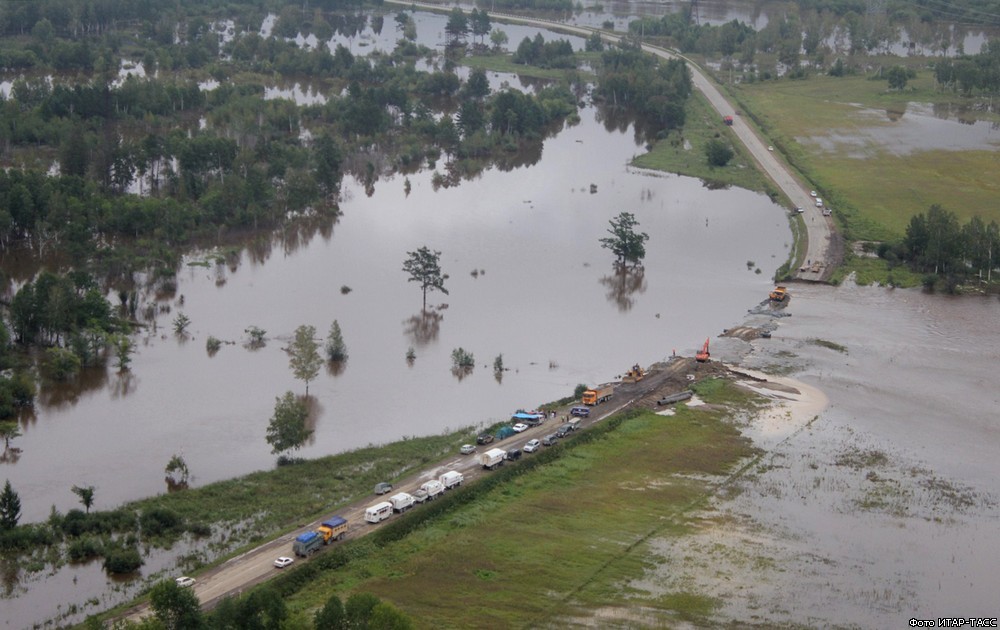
(812, 193)
(185, 581)
(799, 209)
(532, 446)
(520, 426)
(467, 449)
(819, 202)
(283, 562)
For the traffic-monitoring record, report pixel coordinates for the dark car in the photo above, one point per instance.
(580, 412)
(484, 438)
(514, 454)
(549, 440)
(383, 487)
(563, 430)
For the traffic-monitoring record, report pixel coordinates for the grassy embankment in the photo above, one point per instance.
(874, 187)
(561, 541)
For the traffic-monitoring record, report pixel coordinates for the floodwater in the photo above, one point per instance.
(527, 278)
(920, 127)
(881, 508)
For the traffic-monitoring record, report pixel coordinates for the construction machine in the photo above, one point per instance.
(702, 356)
(779, 294)
(634, 375)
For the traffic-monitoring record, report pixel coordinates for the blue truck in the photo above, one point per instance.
(307, 544)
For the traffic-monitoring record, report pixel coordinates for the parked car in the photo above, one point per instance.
(532, 446)
(812, 193)
(520, 426)
(484, 438)
(819, 202)
(283, 562)
(383, 488)
(467, 449)
(513, 455)
(549, 440)
(185, 581)
(563, 430)
(581, 412)
(799, 209)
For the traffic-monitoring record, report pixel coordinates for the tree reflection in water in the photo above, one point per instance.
(623, 284)
(424, 327)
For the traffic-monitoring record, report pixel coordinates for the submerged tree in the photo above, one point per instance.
(288, 429)
(336, 349)
(8, 431)
(626, 244)
(10, 508)
(304, 356)
(86, 494)
(424, 267)
(177, 471)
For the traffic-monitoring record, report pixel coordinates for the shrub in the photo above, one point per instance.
(84, 548)
(159, 521)
(121, 560)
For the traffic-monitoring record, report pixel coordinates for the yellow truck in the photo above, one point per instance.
(597, 395)
(779, 294)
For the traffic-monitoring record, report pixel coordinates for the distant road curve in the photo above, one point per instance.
(819, 228)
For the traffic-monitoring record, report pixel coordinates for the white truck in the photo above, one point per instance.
(451, 479)
(378, 512)
(492, 458)
(401, 502)
(432, 488)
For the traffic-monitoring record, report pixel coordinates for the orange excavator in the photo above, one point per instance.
(702, 356)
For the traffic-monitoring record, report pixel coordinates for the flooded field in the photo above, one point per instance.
(880, 507)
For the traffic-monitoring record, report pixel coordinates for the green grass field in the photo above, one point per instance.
(562, 541)
(874, 191)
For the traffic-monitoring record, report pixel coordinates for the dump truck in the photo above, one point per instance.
(307, 544)
(634, 375)
(332, 529)
(597, 395)
(779, 294)
(492, 458)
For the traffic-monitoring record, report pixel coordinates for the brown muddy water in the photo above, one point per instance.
(527, 279)
(880, 508)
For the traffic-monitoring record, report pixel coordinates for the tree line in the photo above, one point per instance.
(937, 243)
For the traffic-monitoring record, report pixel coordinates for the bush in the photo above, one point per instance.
(84, 548)
(120, 561)
(159, 521)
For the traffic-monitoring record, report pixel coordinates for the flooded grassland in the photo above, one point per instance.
(872, 507)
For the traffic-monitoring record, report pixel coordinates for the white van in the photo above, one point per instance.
(433, 488)
(574, 424)
(378, 512)
(451, 479)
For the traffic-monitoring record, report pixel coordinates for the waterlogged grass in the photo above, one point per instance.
(873, 190)
(869, 270)
(562, 540)
(823, 343)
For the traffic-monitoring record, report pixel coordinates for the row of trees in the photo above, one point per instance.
(656, 90)
(176, 608)
(936, 242)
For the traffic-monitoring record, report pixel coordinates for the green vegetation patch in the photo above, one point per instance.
(557, 535)
(823, 343)
(684, 153)
(872, 191)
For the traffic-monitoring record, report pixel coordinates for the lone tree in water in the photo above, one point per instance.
(288, 429)
(304, 356)
(10, 508)
(424, 267)
(336, 349)
(628, 245)
(8, 431)
(86, 494)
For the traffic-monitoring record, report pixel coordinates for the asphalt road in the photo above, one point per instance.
(819, 228)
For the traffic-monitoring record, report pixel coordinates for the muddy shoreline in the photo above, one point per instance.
(866, 509)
